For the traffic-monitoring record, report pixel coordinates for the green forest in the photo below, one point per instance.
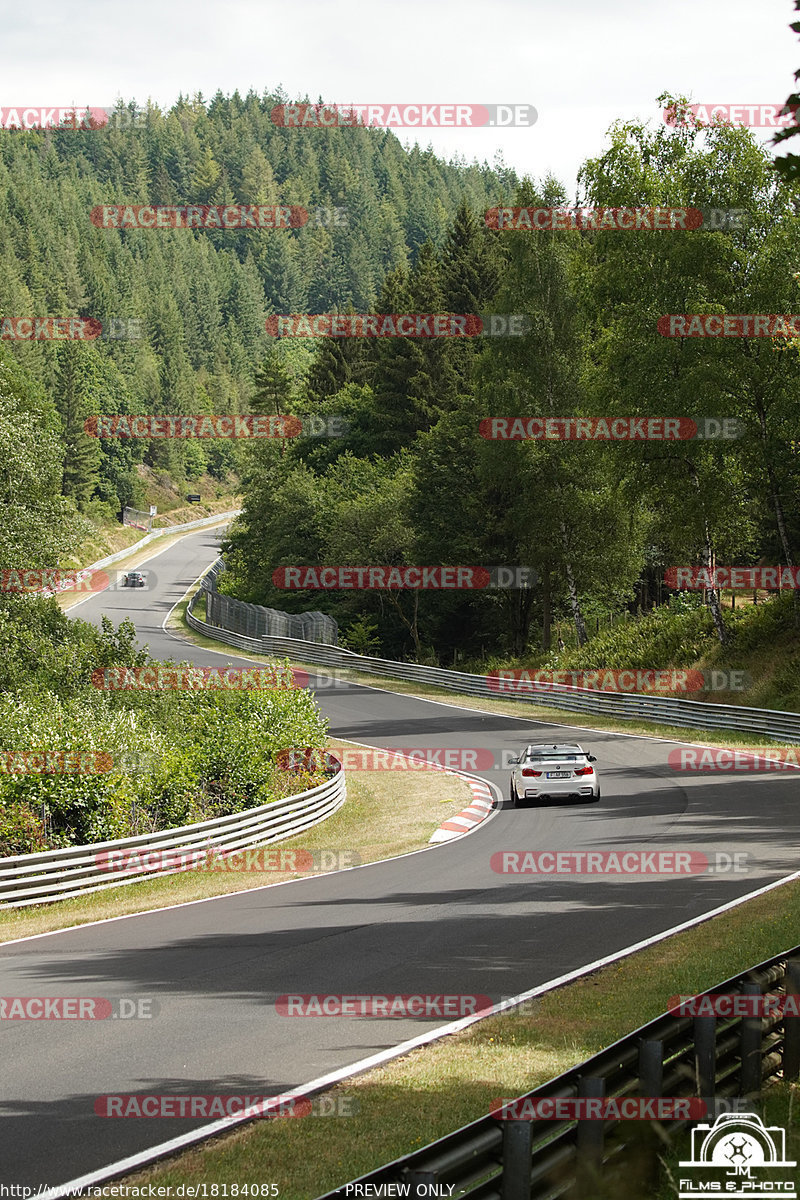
(410, 480)
(413, 481)
(199, 301)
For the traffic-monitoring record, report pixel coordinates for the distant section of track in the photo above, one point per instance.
(438, 922)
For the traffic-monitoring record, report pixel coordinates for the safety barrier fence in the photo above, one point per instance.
(58, 874)
(255, 620)
(666, 710)
(137, 518)
(721, 1061)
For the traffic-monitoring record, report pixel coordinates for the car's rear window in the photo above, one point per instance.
(557, 754)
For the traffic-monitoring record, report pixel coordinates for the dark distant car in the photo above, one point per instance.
(550, 772)
(134, 579)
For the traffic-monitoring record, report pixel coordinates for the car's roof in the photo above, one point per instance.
(554, 748)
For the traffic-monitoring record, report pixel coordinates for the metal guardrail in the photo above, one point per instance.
(722, 1061)
(58, 874)
(763, 722)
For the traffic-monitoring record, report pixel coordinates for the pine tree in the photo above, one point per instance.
(273, 387)
(73, 396)
(206, 177)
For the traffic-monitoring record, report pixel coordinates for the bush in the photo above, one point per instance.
(362, 636)
(664, 638)
(151, 759)
(21, 831)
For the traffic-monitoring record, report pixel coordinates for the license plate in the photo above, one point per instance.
(558, 774)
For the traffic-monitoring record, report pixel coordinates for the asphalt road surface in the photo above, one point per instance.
(438, 922)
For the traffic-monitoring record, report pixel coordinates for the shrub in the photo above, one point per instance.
(168, 758)
(21, 831)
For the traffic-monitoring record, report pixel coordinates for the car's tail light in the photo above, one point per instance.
(528, 771)
(584, 770)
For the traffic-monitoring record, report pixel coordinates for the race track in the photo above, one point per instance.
(439, 921)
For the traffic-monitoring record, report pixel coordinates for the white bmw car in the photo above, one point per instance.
(552, 772)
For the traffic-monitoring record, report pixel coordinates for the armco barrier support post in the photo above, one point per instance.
(590, 1134)
(705, 1058)
(791, 1023)
(517, 1160)
(651, 1086)
(427, 1181)
(750, 1049)
(651, 1067)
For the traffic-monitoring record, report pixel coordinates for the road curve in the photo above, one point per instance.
(441, 921)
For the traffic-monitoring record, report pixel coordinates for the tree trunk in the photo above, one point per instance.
(525, 608)
(520, 604)
(411, 625)
(574, 600)
(780, 519)
(709, 562)
(713, 598)
(547, 626)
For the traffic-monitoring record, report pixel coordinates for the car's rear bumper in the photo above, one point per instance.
(560, 789)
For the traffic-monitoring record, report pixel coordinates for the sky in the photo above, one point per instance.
(581, 65)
